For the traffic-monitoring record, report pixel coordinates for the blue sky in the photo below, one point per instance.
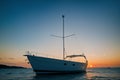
(28, 24)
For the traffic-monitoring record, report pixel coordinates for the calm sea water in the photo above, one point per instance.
(91, 74)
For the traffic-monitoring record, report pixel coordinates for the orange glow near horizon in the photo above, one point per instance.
(104, 64)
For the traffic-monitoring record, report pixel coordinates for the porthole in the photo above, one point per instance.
(73, 64)
(65, 63)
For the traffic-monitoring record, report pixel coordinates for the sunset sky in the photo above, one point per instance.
(27, 25)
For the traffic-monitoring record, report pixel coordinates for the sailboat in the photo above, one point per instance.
(46, 65)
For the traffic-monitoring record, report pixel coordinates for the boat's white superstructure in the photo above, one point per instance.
(50, 65)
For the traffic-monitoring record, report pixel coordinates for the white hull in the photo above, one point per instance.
(50, 65)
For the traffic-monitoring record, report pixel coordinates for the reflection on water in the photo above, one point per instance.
(103, 74)
(60, 76)
(91, 74)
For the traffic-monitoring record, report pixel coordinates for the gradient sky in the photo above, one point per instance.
(26, 25)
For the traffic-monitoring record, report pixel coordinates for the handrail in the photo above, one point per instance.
(71, 56)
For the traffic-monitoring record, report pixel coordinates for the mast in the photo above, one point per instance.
(63, 39)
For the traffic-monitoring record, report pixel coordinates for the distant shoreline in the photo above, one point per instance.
(2, 66)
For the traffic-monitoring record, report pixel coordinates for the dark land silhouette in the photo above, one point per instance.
(2, 66)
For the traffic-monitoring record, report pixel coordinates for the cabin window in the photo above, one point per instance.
(65, 63)
(73, 64)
